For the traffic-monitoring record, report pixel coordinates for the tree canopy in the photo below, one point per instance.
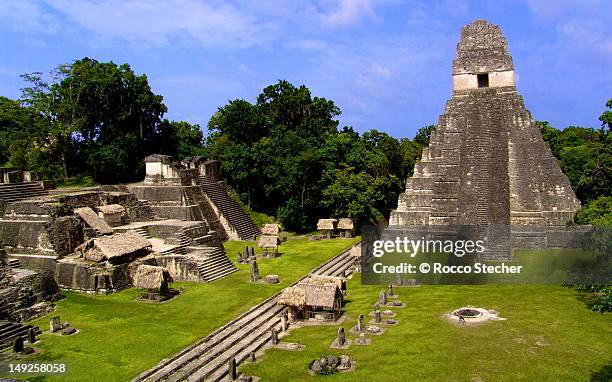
(90, 118)
(286, 156)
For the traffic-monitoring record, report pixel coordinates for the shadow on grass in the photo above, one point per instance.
(603, 375)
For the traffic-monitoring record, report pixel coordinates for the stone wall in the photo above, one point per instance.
(65, 233)
(75, 274)
(181, 267)
(28, 295)
(5, 270)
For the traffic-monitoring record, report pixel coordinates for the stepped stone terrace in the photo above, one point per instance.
(486, 163)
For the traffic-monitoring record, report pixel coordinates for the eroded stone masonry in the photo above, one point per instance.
(94, 239)
(487, 163)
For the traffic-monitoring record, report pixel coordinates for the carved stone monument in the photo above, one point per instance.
(274, 336)
(341, 338)
(55, 324)
(254, 271)
(382, 298)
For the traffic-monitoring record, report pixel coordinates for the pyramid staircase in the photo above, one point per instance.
(236, 217)
(215, 265)
(142, 232)
(9, 331)
(13, 192)
(14, 264)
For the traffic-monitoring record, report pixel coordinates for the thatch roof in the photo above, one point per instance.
(293, 296)
(326, 224)
(90, 217)
(324, 280)
(111, 209)
(113, 246)
(345, 223)
(151, 277)
(308, 294)
(270, 229)
(356, 250)
(321, 295)
(268, 242)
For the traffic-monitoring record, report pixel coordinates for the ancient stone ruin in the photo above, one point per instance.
(93, 240)
(24, 294)
(486, 163)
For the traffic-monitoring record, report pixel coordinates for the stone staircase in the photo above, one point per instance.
(9, 331)
(12, 192)
(237, 219)
(216, 265)
(14, 264)
(206, 360)
(142, 232)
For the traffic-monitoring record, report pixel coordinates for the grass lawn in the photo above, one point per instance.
(121, 337)
(549, 335)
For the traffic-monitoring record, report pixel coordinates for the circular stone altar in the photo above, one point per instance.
(472, 315)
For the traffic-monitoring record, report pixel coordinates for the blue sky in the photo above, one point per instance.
(385, 63)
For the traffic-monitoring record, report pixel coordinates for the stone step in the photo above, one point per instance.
(208, 357)
(14, 263)
(190, 356)
(9, 333)
(219, 274)
(219, 364)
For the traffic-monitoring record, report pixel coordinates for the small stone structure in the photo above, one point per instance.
(118, 248)
(112, 214)
(25, 294)
(330, 364)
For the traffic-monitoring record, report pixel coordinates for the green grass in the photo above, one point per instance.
(259, 218)
(121, 337)
(550, 266)
(549, 335)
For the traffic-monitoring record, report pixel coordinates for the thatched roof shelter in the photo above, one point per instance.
(116, 248)
(323, 296)
(326, 224)
(311, 294)
(345, 223)
(325, 280)
(293, 296)
(270, 229)
(268, 242)
(151, 277)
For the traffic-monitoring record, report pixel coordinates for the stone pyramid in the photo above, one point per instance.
(486, 162)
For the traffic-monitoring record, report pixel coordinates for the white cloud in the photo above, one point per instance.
(27, 16)
(210, 23)
(349, 12)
